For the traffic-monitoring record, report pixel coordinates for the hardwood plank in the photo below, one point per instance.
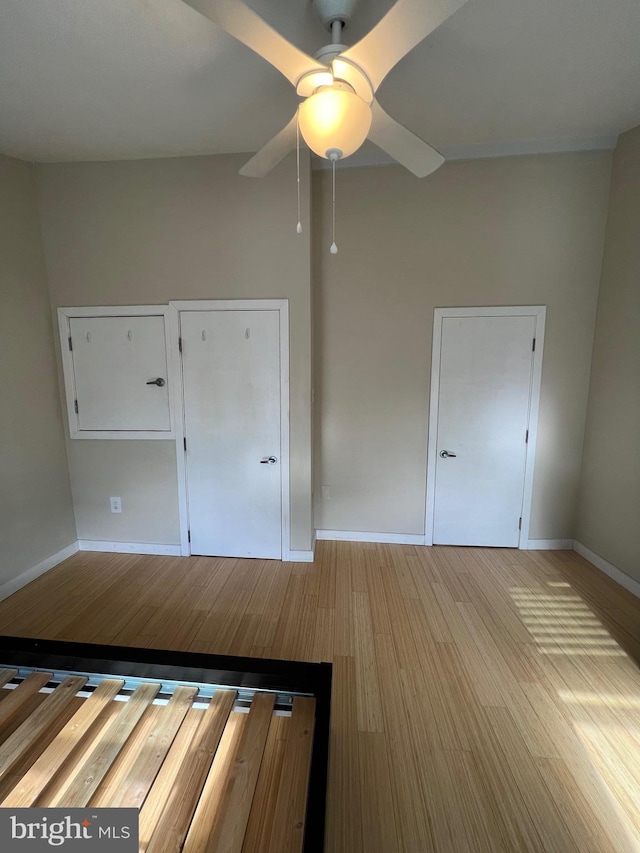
(377, 603)
(581, 821)
(545, 817)
(169, 807)
(344, 795)
(342, 641)
(323, 639)
(286, 633)
(380, 833)
(220, 820)
(326, 561)
(58, 751)
(367, 688)
(408, 799)
(435, 618)
(83, 784)
(480, 670)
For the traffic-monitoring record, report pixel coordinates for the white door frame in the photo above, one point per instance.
(175, 309)
(539, 313)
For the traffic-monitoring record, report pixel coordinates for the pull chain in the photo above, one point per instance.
(334, 248)
(299, 225)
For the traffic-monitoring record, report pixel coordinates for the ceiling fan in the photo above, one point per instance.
(339, 110)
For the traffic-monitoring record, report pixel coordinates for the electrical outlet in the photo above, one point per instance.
(116, 504)
(326, 493)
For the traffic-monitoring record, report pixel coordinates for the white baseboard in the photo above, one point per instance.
(130, 547)
(360, 536)
(34, 572)
(298, 557)
(608, 568)
(547, 545)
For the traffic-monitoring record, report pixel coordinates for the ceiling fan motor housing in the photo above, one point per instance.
(335, 10)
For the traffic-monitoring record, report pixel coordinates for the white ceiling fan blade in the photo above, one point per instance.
(243, 24)
(405, 147)
(273, 152)
(404, 26)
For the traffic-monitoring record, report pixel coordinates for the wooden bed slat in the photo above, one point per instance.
(287, 834)
(145, 762)
(221, 818)
(86, 780)
(168, 809)
(258, 833)
(21, 695)
(52, 759)
(39, 720)
(6, 675)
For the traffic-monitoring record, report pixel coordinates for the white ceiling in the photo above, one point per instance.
(124, 79)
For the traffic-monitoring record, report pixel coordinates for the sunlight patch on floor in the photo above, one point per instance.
(562, 624)
(606, 723)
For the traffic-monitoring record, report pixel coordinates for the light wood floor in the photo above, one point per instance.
(484, 700)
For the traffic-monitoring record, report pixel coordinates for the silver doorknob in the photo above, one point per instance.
(445, 454)
(268, 460)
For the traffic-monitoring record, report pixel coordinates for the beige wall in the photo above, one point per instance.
(609, 509)
(147, 232)
(36, 513)
(521, 230)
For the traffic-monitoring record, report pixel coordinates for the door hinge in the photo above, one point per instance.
(184, 441)
(70, 344)
(188, 536)
(520, 523)
(533, 348)
(75, 405)
(179, 344)
(526, 437)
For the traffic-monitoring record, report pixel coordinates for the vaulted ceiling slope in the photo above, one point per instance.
(127, 79)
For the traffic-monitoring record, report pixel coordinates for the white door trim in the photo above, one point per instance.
(539, 313)
(177, 401)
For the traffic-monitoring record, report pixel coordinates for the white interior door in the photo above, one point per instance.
(483, 412)
(231, 376)
(120, 373)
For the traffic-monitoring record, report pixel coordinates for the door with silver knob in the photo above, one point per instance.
(483, 411)
(231, 375)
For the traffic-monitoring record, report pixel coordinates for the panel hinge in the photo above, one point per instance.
(188, 535)
(526, 437)
(180, 344)
(75, 405)
(533, 348)
(520, 523)
(184, 441)
(70, 344)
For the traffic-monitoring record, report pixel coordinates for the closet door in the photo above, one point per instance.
(486, 367)
(231, 376)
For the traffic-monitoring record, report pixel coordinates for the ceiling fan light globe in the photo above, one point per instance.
(334, 118)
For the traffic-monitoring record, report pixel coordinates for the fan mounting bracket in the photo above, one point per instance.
(335, 10)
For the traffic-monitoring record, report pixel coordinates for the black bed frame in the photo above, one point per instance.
(251, 673)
